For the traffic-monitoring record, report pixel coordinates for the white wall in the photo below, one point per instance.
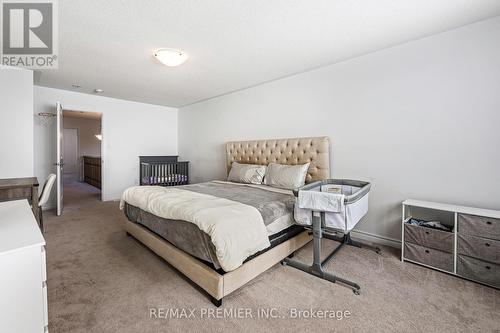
(16, 122)
(129, 129)
(88, 144)
(420, 120)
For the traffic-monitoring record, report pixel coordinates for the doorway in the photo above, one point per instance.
(82, 157)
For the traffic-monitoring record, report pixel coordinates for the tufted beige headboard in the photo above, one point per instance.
(284, 151)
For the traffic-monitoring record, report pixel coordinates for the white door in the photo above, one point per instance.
(59, 157)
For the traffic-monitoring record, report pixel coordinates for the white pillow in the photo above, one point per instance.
(246, 173)
(286, 176)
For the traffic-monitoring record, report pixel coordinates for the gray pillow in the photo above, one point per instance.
(246, 173)
(286, 176)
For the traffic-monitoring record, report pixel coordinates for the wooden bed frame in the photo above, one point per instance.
(284, 151)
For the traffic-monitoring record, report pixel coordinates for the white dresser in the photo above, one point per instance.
(23, 275)
(469, 249)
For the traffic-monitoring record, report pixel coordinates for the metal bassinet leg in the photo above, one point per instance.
(347, 240)
(316, 268)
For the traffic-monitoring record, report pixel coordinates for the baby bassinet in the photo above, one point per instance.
(325, 206)
(343, 201)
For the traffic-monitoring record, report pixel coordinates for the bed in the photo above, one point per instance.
(190, 247)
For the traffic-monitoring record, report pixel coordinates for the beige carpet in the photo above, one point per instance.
(100, 280)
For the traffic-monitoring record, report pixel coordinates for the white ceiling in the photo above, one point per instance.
(233, 44)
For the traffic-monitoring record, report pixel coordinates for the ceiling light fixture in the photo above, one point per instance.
(170, 57)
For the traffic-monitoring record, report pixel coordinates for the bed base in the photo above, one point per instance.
(215, 284)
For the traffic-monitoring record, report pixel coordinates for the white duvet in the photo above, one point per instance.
(236, 230)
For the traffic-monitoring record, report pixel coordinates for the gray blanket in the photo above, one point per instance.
(271, 205)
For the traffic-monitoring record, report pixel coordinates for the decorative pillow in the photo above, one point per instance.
(246, 173)
(286, 176)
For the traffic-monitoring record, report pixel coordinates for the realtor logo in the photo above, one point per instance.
(29, 33)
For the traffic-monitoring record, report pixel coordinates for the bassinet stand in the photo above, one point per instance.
(318, 219)
(316, 268)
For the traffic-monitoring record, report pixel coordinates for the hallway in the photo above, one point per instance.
(77, 193)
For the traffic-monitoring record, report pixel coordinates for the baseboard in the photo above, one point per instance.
(363, 235)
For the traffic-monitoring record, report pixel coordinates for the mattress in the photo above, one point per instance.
(275, 206)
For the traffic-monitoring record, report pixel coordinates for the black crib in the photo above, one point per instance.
(163, 171)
